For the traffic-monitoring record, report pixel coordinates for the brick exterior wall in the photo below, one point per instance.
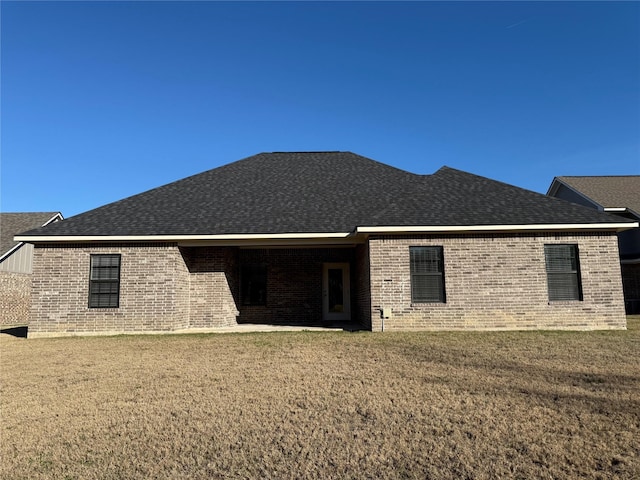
(362, 292)
(153, 290)
(213, 288)
(167, 288)
(294, 284)
(15, 296)
(493, 282)
(497, 282)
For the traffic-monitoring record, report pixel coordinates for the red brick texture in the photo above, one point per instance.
(497, 282)
(15, 293)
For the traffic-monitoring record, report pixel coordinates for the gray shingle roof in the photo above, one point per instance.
(319, 192)
(14, 223)
(608, 191)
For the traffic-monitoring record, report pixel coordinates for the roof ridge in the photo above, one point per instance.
(597, 176)
(308, 151)
(30, 213)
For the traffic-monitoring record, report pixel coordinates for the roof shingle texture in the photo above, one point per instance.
(319, 192)
(14, 223)
(609, 191)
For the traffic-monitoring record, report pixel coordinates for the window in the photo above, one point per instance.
(427, 275)
(104, 281)
(253, 284)
(563, 272)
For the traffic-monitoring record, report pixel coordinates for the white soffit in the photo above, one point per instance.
(183, 238)
(498, 228)
(335, 237)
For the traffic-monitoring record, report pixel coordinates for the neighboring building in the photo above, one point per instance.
(328, 237)
(619, 195)
(16, 263)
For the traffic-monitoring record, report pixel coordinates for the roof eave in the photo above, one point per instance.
(11, 251)
(57, 217)
(331, 237)
(617, 227)
(628, 210)
(223, 239)
(17, 246)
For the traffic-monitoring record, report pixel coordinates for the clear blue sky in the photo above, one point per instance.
(103, 100)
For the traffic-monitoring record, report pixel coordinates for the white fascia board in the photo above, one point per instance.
(498, 228)
(615, 209)
(622, 210)
(270, 237)
(10, 252)
(55, 218)
(179, 238)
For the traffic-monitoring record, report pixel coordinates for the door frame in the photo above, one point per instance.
(346, 292)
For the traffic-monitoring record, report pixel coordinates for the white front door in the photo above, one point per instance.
(336, 299)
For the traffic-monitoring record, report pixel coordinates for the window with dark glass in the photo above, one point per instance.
(104, 281)
(427, 275)
(563, 272)
(253, 284)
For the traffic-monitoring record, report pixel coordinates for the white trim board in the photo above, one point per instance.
(333, 236)
(181, 238)
(498, 228)
(8, 253)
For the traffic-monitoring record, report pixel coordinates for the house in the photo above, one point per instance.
(320, 238)
(15, 264)
(619, 195)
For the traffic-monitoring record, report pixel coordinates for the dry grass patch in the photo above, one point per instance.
(323, 405)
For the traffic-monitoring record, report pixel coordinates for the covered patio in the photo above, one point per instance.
(314, 286)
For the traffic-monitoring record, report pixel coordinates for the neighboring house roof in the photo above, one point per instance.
(14, 223)
(606, 192)
(319, 193)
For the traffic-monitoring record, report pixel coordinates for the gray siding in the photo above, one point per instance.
(571, 196)
(20, 261)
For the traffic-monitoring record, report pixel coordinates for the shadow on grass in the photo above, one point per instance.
(20, 332)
